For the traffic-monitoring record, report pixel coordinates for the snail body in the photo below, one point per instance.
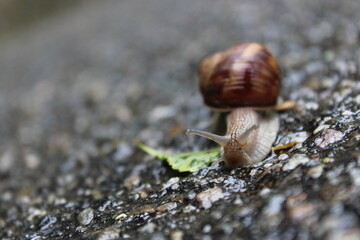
(244, 80)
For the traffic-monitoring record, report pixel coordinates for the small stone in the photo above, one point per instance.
(207, 228)
(283, 157)
(299, 137)
(123, 151)
(294, 200)
(177, 235)
(265, 192)
(254, 172)
(238, 201)
(161, 112)
(274, 206)
(171, 182)
(189, 208)
(166, 207)
(357, 99)
(31, 160)
(132, 182)
(320, 128)
(299, 213)
(120, 217)
(108, 234)
(312, 106)
(315, 172)
(294, 161)
(86, 216)
(7, 160)
(328, 118)
(347, 113)
(355, 175)
(209, 196)
(148, 228)
(328, 136)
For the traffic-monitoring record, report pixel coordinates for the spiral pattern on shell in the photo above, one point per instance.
(246, 75)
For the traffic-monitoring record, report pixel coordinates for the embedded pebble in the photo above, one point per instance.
(166, 207)
(265, 192)
(123, 151)
(132, 182)
(283, 157)
(108, 234)
(32, 160)
(120, 217)
(86, 216)
(238, 201)
(355, 175)
(7, 160)
(298, 136)
(206, 228)
(299, 213)
(294, 161)
(209, 196)
(170, 182)
(320, 128)
(357, 99)
(189, 208)
(328, 136)
(161, 112)
(315, 172)
(347, 113)
(148, 228)
(274, 206)
(312, 105)
(177, 235)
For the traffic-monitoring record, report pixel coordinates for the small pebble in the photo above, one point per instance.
(299, 137)
(148, 228)
(167, 207)
(171, 182)
(294, 161)
(283, 157)
(328, 136)
(209, 196)
(347, 113)
(320, 128)
(177, 235)
(120, 217)
(161, 112)
(207, 228)
(31, 160)
(7, 160)
(238, 201)
(132, 182)
(189, 208)
(86, 216)
(299, 213)
(265, 192)
(274, 206)
(315, 172)
(108, 234)
(123, 151)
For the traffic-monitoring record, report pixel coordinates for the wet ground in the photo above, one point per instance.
(78, 89)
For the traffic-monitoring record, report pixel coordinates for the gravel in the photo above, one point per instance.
(80, 87)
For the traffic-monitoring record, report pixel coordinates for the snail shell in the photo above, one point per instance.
(241, 79)
(244, 75)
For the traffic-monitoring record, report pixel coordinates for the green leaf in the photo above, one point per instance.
(184, 162)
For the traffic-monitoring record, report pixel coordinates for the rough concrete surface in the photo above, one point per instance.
(79, 88)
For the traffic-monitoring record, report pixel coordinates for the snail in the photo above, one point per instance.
(245, 80)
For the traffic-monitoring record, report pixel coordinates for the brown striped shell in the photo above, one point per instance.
(246, 75)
